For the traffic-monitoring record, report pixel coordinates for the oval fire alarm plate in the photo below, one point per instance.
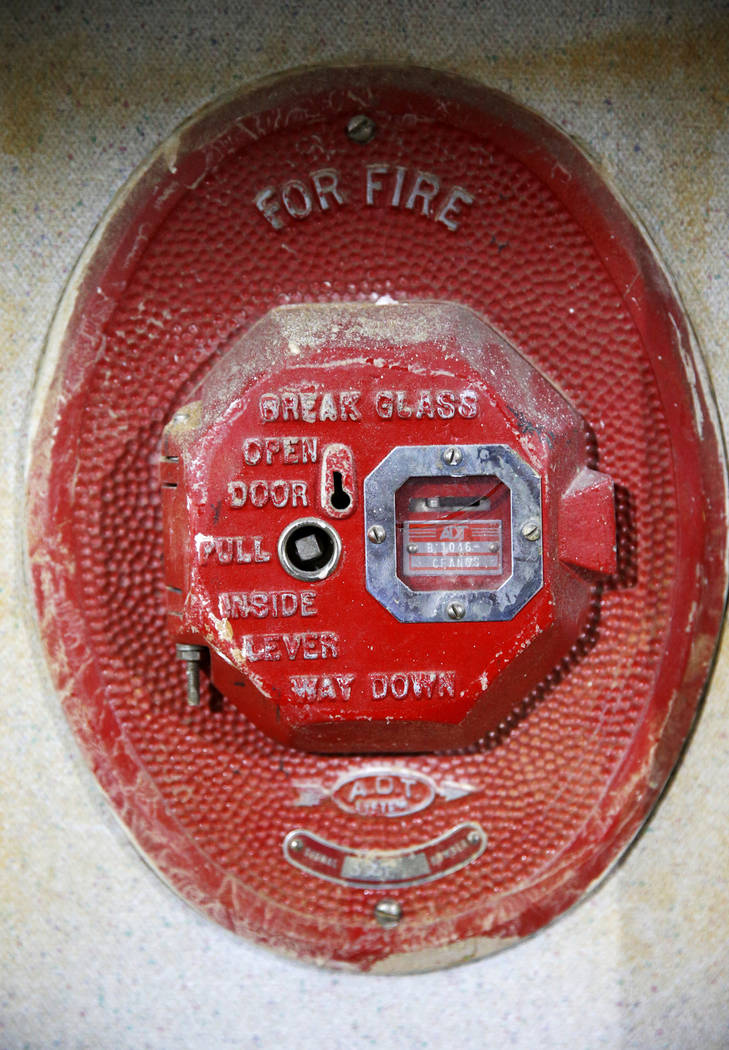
(376, 517)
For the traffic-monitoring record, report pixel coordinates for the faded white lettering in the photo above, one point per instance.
(425, 187)
(426, 404)
(287, 449)
(392, 185)
(451, 207)
(417, 191)
(310, 407)
(326, 184)
(280, 493)
(314, 688)
(228, 550)
(298, 198)
(239, 605)
(313, 645)
(425, 685)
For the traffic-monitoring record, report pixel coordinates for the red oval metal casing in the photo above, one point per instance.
(475, 200)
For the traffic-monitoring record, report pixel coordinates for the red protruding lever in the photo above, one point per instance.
(587, 523)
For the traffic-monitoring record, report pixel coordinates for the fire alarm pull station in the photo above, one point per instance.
(376, 517)
(439, 573)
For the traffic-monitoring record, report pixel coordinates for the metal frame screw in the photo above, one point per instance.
(388, 913)
(474, 838)
(296, 845)
(452, 456)
(376, 534)
(361, 129)
(456, 610)
(530, 530)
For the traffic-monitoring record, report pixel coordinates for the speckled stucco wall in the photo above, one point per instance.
(95, 951)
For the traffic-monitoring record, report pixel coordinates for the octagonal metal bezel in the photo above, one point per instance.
(409, 461)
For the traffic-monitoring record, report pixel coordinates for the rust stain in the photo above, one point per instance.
(45, 80)
(683, 47)
(666, 88)
(66, 81)
(682, 54)
(683, 62)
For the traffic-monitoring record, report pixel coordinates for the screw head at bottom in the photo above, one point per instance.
(388, 913)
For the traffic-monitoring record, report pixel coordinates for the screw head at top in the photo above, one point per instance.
(452, 456)
(388, 913)
(361, 128)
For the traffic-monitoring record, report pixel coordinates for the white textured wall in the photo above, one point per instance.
(94, 951)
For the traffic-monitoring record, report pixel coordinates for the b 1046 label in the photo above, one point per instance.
(437, 548)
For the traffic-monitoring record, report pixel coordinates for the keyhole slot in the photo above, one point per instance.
(340, 499)
(337, 492)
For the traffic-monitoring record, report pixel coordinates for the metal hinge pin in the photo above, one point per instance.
(192, 655)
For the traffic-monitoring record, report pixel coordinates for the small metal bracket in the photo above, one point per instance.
(191, 654)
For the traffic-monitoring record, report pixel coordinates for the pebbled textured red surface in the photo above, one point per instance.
(548, 257)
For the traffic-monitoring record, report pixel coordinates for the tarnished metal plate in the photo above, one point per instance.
(411, 865)
(429, 461)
